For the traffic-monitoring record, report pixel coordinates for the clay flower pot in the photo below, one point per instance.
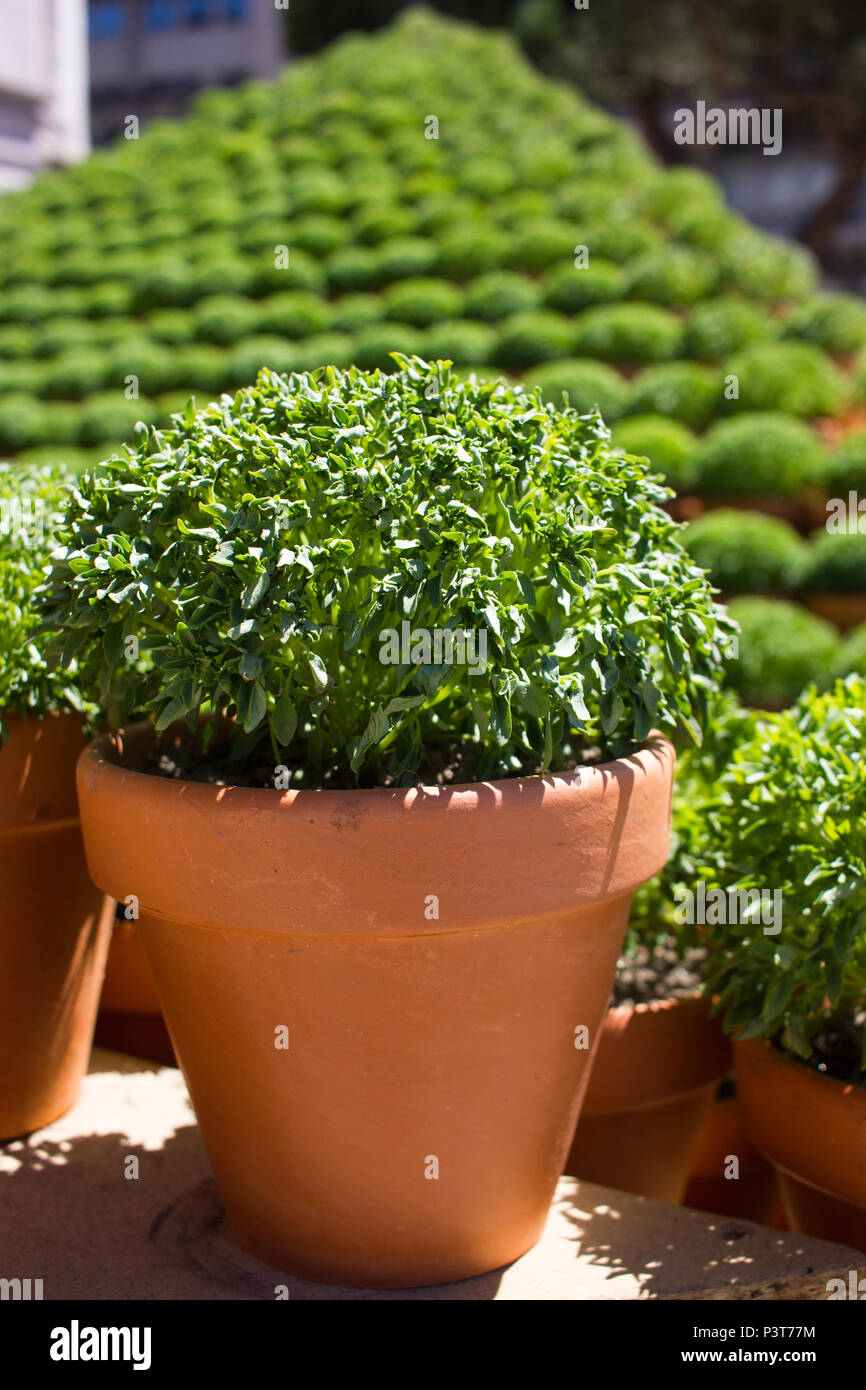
(374, 994)
(130, 1015)
(653, 1081)
(844, 610)
(805, 512)
(813, 1130)
(54, 926)
(753, 1194)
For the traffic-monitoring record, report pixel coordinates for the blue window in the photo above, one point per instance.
(159, 14)
(189, 14)
(107, 19)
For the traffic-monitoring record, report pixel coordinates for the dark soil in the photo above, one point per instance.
(837, 1049)
(186, 763)
(451, 764)
(658, 972)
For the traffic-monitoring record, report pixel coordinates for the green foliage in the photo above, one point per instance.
(846, 467)
(746, 552)
(354, 312)
(719, 327)
(541, 242)
(628, 333)
(108, 416)
(30, 501)
(794, 377)
(852, 653)
(471, 249)
(224, 318)
(588, 386)
(499, 294)
(312, 210)
(766, 268)
(836, 563)
(695, 850)
(683, 390)
(293, 314)
(570, 289)
(782, 648)
(404, 257)
(792, 818)
(260, 548)
(21, 422)
(532, 338)
(758, 455)
(669, 446)
(423, 302)
(672, 275)
(460, 340)
(834, 322)
(619, 241)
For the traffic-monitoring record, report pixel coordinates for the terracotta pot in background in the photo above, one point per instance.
(813, 1129)
(430, 953)
(130, 1015)
(653, 1081)
(845, 610)
(54, 926)
(805, 512)
(753, 1194)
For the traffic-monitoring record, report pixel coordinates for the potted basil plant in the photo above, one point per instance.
(662, 1054)
(791, 822)
(53, 929)
(406, 642)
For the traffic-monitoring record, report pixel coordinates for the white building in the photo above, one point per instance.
(44, 118)
(148, 56)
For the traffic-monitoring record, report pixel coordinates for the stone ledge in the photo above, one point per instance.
(70, 1218)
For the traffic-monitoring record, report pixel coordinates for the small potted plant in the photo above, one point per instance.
(53, 931)
(835, 577)
(662, 1055)
(780, 649)
(791, 822)
(405, 641)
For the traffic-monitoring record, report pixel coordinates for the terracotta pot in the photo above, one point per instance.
(753, 1194)
(805, 512)
(418, 1044)
(845, 610)
(653, 1082)
(130, 1015)
(54, 926)
(812, 1128)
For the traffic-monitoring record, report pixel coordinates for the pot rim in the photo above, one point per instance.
(96, 758)
(654, 1005)
(764, 1047)
(500, 851)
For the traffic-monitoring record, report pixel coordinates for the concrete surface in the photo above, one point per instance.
(68, 1216)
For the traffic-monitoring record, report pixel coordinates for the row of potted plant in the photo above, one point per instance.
(383, 896)
(767, 875)
(160, 257)
(399, 879)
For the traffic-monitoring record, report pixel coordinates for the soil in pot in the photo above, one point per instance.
(660, 1059)
(374, 994)
(811, 1125)
(54, 926)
